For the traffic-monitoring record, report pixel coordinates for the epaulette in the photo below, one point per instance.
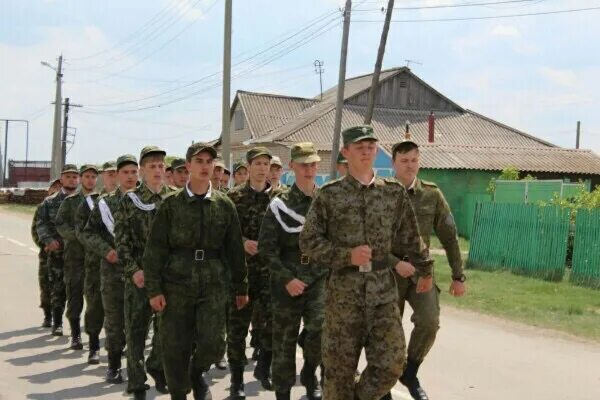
(72, 195)
(173, 188)
(392, 181)
(173, 193)
(427, 183)
(332, 182)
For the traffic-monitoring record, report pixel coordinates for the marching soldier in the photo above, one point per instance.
(433, 215)
(297, 283)
(275, 172)
(180, 173)
(341, 165)
(225, 178)
(98, 237)
(218, 173)
(44, 285)
(54, 245)
(240, 173)
(362, 227)
(109, 177)
(193, 256)
(74, 253)
(132, 227)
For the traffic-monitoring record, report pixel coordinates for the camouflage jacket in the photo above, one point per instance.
(434, 215)
(132, 225)
(34, 234)
(278, 240)
(183, 225)
(251, 207)
(46, 221)
(95, 236)
(66, 226)
(82, 215)
(346, 214)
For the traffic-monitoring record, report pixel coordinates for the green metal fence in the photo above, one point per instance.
(523, 238)
(586, 249)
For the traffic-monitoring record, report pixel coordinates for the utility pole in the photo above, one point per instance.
(578, 134)
(68, 106)
(3, 166)
(55, 165)
(378, 63)
(339, 105)
(3, 163)
(225, 133)
(319, 70)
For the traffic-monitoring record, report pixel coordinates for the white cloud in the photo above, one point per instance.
(562, 77)
(506, 31)
(189, 9)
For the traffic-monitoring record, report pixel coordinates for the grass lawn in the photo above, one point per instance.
(559, 306)
(22, 208)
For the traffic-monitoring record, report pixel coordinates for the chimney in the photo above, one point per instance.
(431, 127)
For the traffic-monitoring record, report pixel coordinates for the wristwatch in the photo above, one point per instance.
(461, 278)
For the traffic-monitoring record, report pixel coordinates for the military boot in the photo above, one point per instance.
(308, 379)
(57, 329)
(75, 334)
(180, 396)
(282, 395)
(113, 374)
(94, 355)
(160, 381)
(222, 365)
(139, 395)
(47, 318)
(262, 371)
(410, 380)
(236, 390)
(200, 387)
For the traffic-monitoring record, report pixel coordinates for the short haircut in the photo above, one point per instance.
(152, 158)
(404, 148)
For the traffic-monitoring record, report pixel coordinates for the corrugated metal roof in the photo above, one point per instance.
(265, 112)
(357, 84)
(457, 128)
(534, 159)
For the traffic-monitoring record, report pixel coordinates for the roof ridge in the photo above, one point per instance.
(277, 95)
(468, 146)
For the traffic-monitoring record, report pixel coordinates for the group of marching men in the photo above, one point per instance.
(176, 248)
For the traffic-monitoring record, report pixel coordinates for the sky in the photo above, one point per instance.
(149, 71)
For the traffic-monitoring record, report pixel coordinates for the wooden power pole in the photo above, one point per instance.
(225, 133)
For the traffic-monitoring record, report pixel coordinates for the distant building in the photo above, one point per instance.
(28, 173)
(461, 152)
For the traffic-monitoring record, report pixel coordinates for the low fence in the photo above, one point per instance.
(586, 249)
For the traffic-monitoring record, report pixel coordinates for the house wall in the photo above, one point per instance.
(239, 135)
(404, 91)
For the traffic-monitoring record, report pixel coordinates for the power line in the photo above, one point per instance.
(574, 10)
(440, 6)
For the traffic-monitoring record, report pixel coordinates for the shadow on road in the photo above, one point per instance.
(54, 355)
(72, 371)
(33, 343)
(82, 392)
(23, 332)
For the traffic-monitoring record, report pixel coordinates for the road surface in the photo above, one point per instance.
(475, 357)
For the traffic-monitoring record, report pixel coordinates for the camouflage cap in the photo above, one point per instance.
(238, 165)
(341, 159)
(178, 163)
(146, 151)
(55, 181)
(276, 161)
(126, 159)
(257, 152)
(219, 163)
(109, 166)
(358, 134)
(87, 167)
(304, 153)
(198, 148)
(69, 168)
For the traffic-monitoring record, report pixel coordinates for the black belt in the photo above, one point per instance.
(199, 254)
(295, 256)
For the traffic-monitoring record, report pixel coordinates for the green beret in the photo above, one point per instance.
(198, 148)
(304, 153)
(257, 152)
(358, 134)
(126, 159)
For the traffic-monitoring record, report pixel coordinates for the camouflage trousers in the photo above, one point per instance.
(192, 334)
(288, 312)
(264, 312)
(56, 280)
(74, 276)
(43, 280)
(112, 291)
(350, 327)
(94, 312)
(138, 317)
(425, 318)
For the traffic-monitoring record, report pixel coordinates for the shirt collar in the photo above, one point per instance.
(413, 185)
(191, 194)
(358, 183)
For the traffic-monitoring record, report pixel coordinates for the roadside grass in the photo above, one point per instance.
(22, 208)
(555, 305)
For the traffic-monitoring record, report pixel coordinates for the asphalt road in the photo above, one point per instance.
(475, 357)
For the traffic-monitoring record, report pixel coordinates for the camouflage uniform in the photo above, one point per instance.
(283, 257)
(46, 230)
(132, 227)
(99, 240)
(193, 255)
(94, 312)
(361, 308)
(74, 257)
(42, 268)
(251, 207)
(433, 215)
